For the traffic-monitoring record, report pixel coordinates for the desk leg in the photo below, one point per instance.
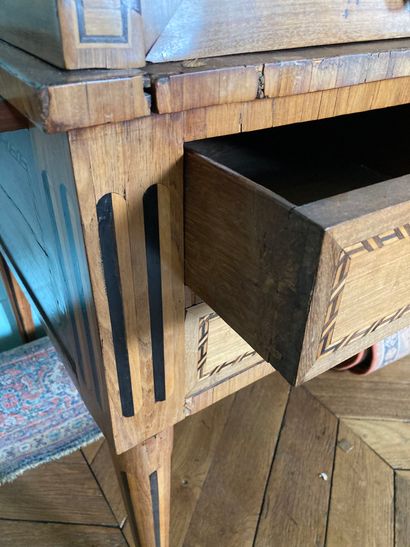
(146, 475)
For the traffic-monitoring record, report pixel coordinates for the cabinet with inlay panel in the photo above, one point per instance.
(116, 207)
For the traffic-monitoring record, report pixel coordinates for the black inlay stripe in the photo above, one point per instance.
(108, 245)
(80, 289)
(153, 255)
(153, 482)
(57, 242)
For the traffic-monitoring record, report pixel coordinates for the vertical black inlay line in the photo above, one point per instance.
(57, 241)
(80, 288)
(153, 482)
(108, 245)
(152, 246)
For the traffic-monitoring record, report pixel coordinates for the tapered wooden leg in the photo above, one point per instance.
(146, 476)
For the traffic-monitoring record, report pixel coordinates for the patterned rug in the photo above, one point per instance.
(42, 416)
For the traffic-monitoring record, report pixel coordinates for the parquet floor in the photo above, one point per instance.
(325, 464)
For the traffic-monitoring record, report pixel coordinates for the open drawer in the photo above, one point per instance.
(299, 236)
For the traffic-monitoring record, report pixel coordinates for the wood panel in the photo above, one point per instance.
(77, 34)
(110, 161)
(366, 500)
(363, 479)
(314, 244)
(58, 101)
(146, 472)
(296, 501)
(156, 16)
(10, 118)
(103, 469)
(91, 450)
(207, 28)
(213, 351)
(379, 396)
(218, 518)
(390, 439)
(47, 250)
(228, 119)
(225, 80)
(402, 508)
(219, 268)
(69, 493)
(51, 535)
(195, 445)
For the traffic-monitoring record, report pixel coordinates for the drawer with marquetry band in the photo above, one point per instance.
(215, 353)
(299, 236)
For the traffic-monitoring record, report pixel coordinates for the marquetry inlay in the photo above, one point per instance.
(385, 287)
(102, 23)
(216, 339)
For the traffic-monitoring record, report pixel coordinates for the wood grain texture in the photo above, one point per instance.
(368, 483)
(213, 351)
(228, 119)
(211, 268)
(47, 250)
(76, 34)
(147, 469)
(381, 396)
(402, 508)
(10, 119)
(296, 502)
(91, 450)
(218, 518)
(389, 439)
(58, 535)
(69, 493)
(222, 27)
(200, 455)
(328, 242)
(58, 101)
(195, 445)
(156, 16)
(103, 469)
(240, 78)
(100, 170)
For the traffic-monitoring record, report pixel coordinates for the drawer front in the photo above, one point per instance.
(306, 283)
(214, 352)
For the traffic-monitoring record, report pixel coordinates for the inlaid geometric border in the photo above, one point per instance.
(123, 10)
(374, 243)
(203, 328)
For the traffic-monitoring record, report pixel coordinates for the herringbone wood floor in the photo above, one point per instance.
(325, 464)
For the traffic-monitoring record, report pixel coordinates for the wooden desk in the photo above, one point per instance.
(92, 224)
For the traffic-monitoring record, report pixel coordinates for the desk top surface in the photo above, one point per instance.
(59, 100)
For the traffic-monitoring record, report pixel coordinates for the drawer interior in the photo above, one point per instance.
(310, 161)
(299, 236)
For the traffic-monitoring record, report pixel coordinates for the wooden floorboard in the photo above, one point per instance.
(297, 496)
(383, 395)
(402, 508)
(362, 499)
(35, 534)
(252, 462)
(63, 491)
(91, 450)
(195, 443)
(105, 474)
(228, 509)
